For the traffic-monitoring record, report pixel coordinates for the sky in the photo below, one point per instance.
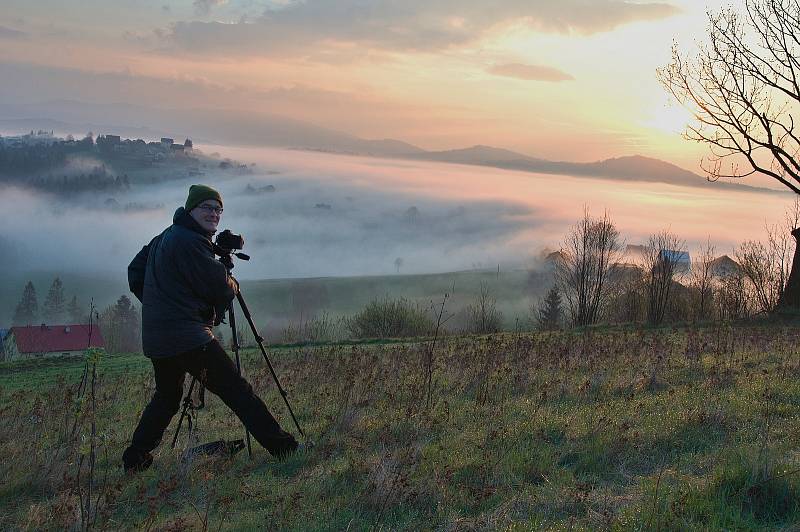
(558, 79)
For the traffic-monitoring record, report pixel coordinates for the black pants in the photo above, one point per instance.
(212, 366)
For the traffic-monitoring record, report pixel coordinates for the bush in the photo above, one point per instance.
(483, 316)
(389, 318)
(322, 328)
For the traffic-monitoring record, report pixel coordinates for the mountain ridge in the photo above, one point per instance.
(258, 129)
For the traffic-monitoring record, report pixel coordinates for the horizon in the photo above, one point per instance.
(439, 76)
(565, 81)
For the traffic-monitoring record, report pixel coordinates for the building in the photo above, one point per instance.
(166, 142)
(35, 341)
(681, 260)
(723, 266)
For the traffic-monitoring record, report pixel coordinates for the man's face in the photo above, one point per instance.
(207, 214)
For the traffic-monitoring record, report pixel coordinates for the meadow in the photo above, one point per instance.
(612, 428)
(279, 303)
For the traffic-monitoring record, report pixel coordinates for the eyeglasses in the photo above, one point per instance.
(211, 208)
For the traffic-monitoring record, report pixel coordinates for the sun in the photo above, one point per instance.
(668, 117)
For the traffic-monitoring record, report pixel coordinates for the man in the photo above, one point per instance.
(184, 291)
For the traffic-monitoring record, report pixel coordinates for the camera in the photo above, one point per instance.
(229, 241)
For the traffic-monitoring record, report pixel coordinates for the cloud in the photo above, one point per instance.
(203, 7)
(10, 33)
(415, 25)
(530, 72)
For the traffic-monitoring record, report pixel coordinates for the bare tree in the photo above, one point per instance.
(483, 316)
(767, 266)
(663, 262)
(701, 280)
(743, 88)
(590, 249)
(733, 301)
(758, 267)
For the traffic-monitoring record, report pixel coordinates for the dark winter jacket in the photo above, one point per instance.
(182, 287)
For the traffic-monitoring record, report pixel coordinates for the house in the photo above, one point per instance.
(43, 340)
(681, 259)
(637, 255)
(723, 266)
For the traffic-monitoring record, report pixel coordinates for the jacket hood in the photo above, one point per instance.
(184, 219)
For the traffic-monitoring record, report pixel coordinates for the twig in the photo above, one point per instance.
(655, 495)
(429, 361)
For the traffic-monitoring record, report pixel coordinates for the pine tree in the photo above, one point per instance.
(550, 311)
(74, 311)
(124, 327)
(53, 311)
(27, 311)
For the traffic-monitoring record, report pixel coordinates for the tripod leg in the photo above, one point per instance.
(235, 337)
(260, 341)
(187, 404)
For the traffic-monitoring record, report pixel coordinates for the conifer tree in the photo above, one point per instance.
(27, 311)
(124, 328)
(53, 311)
(550, 312)
(74, 312)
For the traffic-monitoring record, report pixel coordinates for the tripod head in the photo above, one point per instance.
(225, 246)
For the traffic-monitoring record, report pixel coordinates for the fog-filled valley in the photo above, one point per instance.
(308, 214)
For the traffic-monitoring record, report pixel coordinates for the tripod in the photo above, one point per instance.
(188, 404)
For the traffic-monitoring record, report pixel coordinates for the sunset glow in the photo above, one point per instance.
(559, 80)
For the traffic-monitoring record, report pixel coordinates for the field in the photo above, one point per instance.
(664, 429)
(279, 303)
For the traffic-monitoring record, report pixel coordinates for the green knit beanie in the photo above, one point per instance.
(198, 194)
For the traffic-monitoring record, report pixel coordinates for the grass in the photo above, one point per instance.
(597, 429)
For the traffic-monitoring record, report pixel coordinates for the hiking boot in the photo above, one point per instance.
(301, 448)
(135, 460)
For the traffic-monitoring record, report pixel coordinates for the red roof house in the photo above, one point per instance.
(51, 340)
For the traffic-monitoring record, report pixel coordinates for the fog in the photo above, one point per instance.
(338, 215)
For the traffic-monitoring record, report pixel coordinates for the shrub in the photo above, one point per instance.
(322, 328)
(389, 318)
(483, 316)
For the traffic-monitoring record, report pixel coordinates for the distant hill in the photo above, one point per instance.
(216, 126)
(225, 126)
(631, 168)
(480, 155)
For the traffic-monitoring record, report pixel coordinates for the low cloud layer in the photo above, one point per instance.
(305, 27)
(332, 215)
(530, 72)
(310, 225)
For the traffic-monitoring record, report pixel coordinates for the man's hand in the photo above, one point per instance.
(219, 314)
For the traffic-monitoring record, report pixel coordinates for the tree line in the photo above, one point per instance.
(596, 283)
(119, 323)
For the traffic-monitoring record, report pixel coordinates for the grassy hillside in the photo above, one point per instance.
(601, 429)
